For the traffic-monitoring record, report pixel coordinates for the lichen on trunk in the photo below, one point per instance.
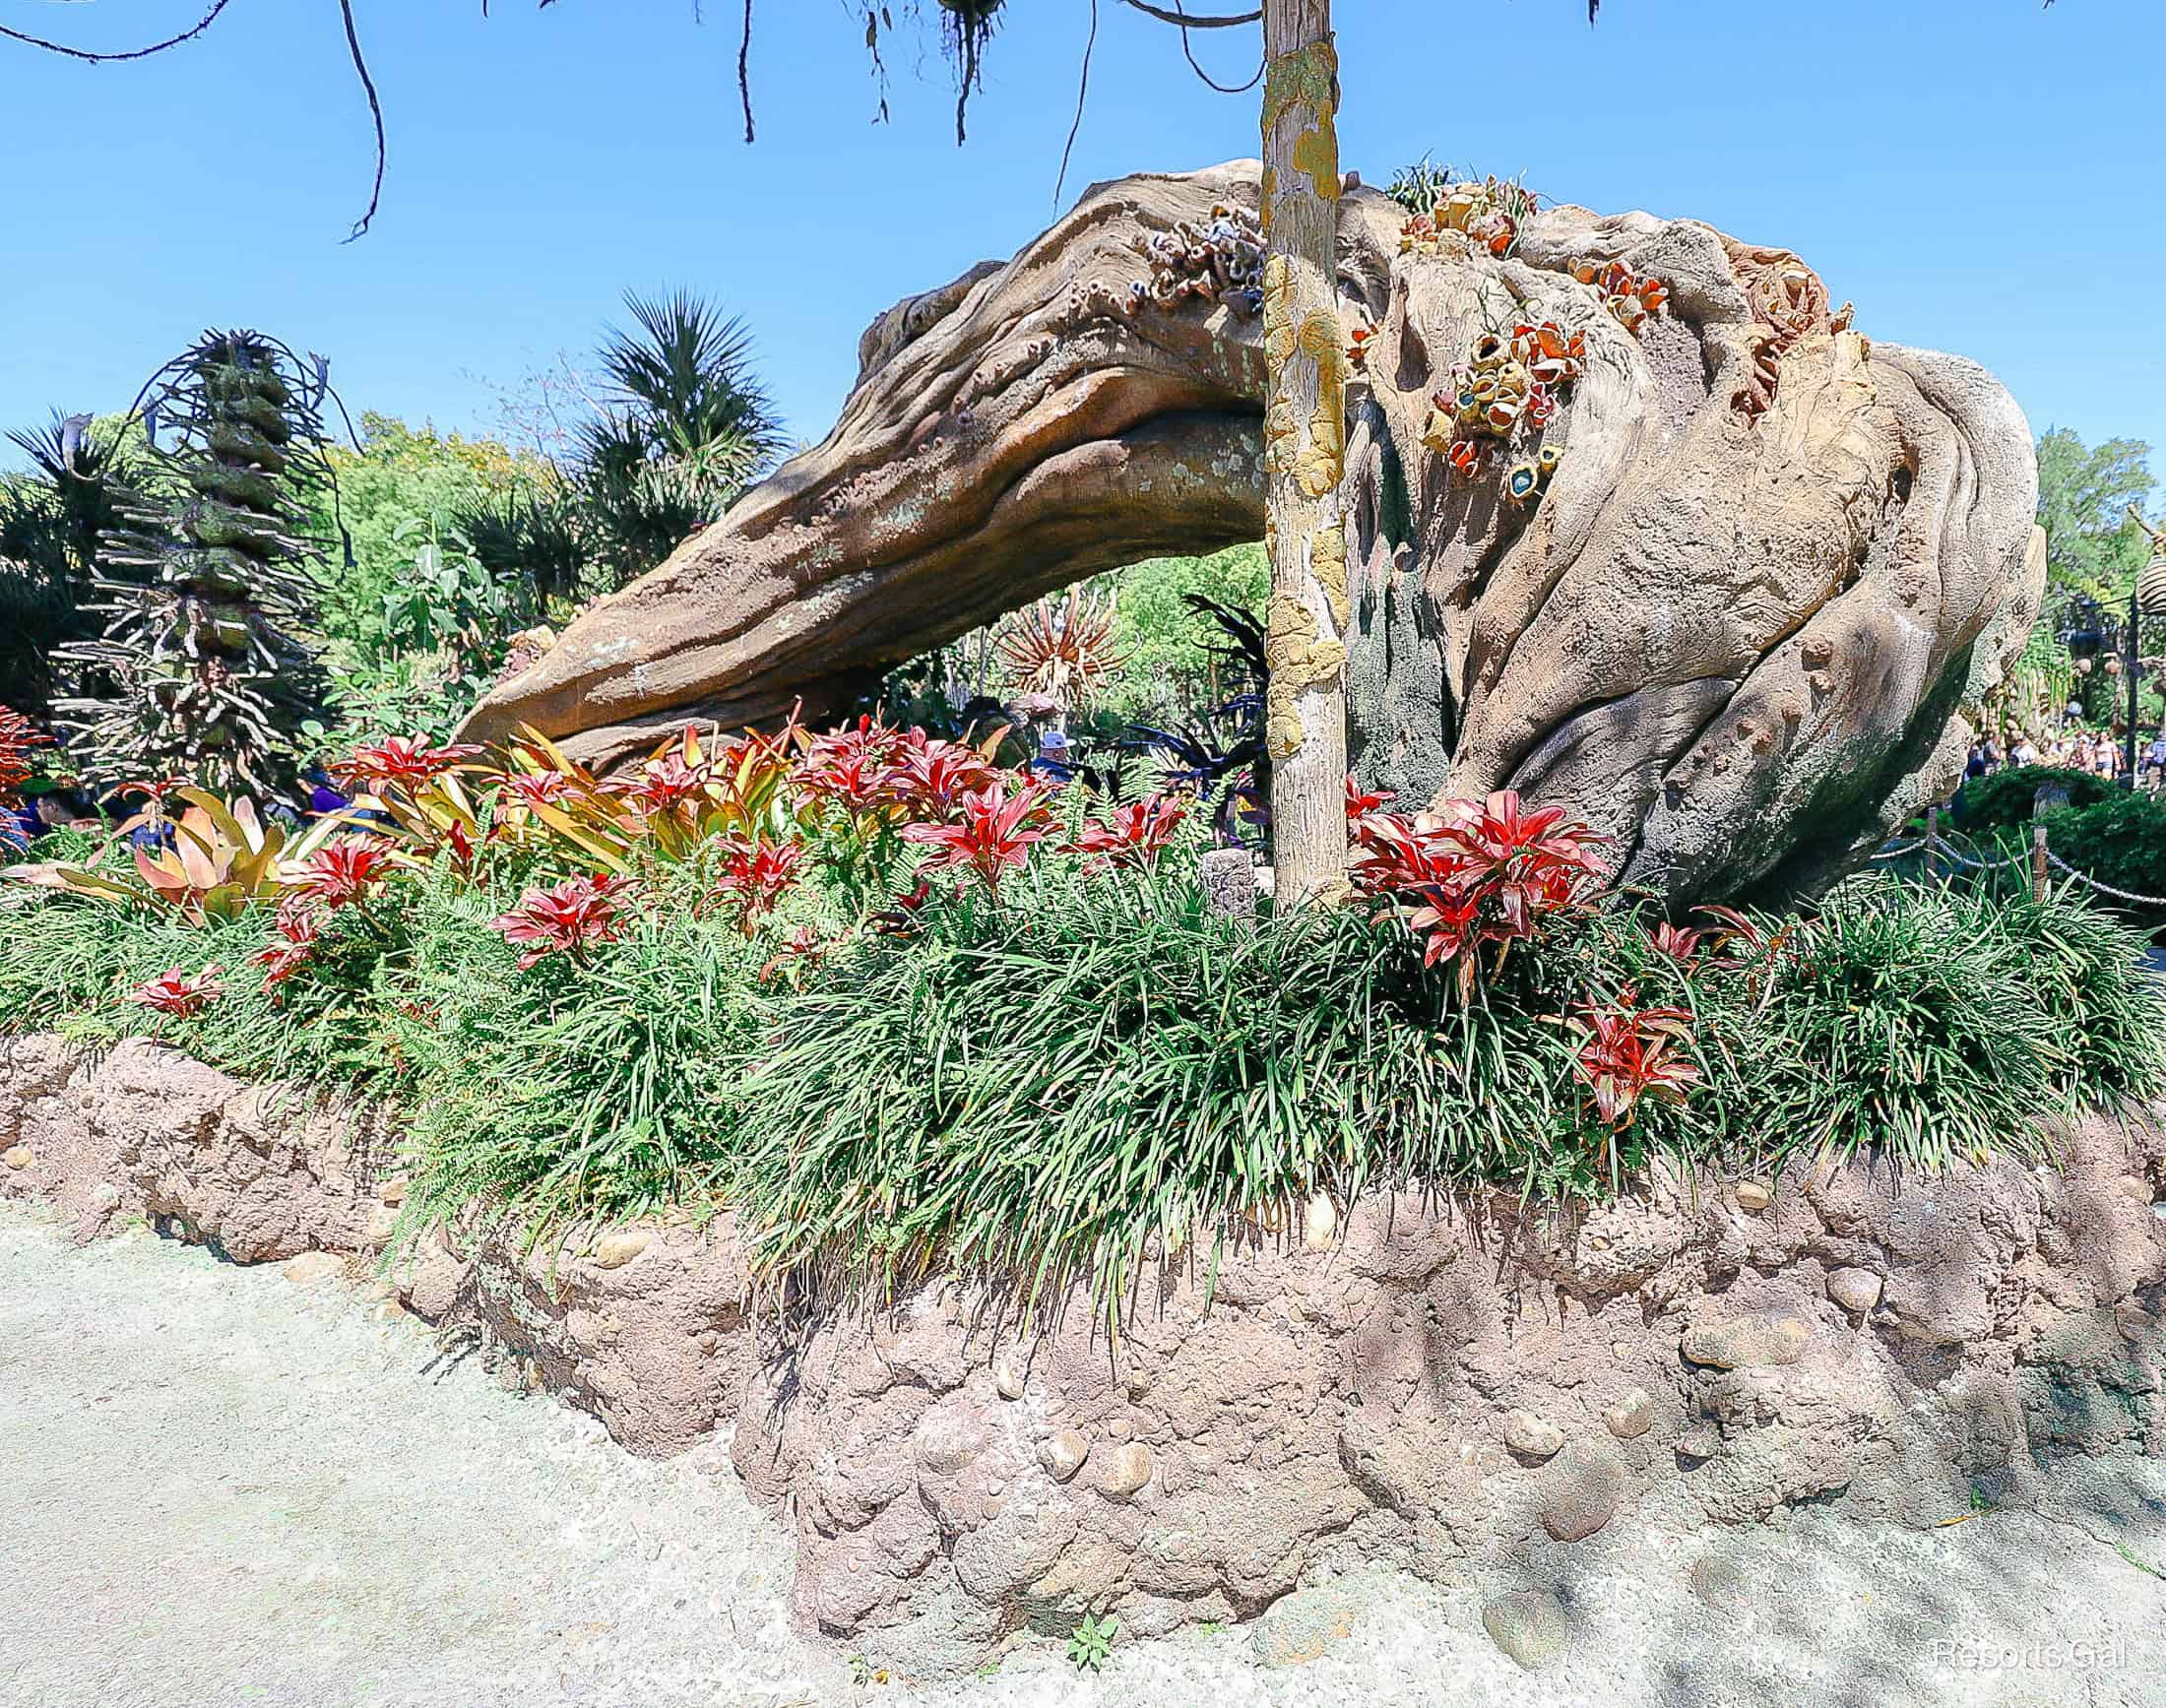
(1305, 449)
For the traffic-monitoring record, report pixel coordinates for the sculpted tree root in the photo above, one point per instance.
(1773, 562)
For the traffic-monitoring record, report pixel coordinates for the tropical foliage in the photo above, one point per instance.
(901, 1006)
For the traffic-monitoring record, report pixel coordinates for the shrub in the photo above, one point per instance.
(2120, 839)
(2004, 800)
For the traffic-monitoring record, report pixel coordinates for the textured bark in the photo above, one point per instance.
(1305, 449)
(1774, 562)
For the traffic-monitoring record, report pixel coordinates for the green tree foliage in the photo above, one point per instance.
(1173, 668)
(53, 517)
(2085, 490)
(685, 424)
(402, 479)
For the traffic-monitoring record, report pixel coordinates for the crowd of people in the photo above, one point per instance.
(2071, 747)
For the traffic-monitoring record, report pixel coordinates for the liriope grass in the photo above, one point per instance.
(1047, 1088)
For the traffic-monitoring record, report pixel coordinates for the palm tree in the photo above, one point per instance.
(684, 426)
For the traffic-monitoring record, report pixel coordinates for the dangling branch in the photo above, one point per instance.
(1176, 15)
(744, 71)
(1181, 17)
(1083, 90)
(60, 47)
(375, 113)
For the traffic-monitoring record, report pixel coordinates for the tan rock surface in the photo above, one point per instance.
(1775, 557)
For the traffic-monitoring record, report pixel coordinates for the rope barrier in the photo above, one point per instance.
(1970, 865)
(2104, 888)
(1941, 845)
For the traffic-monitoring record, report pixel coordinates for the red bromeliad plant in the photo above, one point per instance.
(1132, 836)
(805, 950)
(175, 996)
(692, 790)
(18, 738)
(755, 876)
(399, 762)
(994, 830)
(345, 873)
(422, 791)
(847, 770)
(572, 918)
(1474, 874)
(297, 925)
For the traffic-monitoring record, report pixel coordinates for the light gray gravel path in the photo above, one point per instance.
(221, 1486)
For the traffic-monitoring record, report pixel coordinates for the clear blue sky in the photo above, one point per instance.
(1980, 176)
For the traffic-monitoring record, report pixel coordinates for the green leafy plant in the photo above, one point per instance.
(2004, 801)
(1092, 1642)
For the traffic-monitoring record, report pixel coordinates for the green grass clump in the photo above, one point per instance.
(1039, 1087)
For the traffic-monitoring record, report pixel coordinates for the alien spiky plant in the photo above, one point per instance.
(1064, 652)
(207, 583)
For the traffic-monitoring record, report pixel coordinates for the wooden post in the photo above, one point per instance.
(2038, 862)
(1933, 835)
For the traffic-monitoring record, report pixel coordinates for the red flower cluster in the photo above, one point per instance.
(755, 876)
(993, 831)
(1477, 873)
(569, 919)
(1630, 1053)
(400, 762)
(174, 995)
(1134, 836)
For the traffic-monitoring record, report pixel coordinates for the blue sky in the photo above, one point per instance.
(1981, 175)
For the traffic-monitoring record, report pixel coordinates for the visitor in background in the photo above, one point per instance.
(1053, 762)
(2154, 764)
(2025, 750)
(1989, 751)
(1975, 767)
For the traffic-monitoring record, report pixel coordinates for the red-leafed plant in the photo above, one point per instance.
(298, 923)
(18, 737)
(755, 876)
(533, 789)
(994, 831)
(1131, 836)
(667, 782)
(345, 873)
(931, 775)
(1681, 943)
(805, 950)
(1629, 1053)
(572, 918)
(1472, 875)
(173, 995)
(400, 762)
(849, 768)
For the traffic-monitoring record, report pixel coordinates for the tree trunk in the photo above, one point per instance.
(1304, 450)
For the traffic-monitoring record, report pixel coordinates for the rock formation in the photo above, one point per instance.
(1712, 567)
(1460, 1388)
